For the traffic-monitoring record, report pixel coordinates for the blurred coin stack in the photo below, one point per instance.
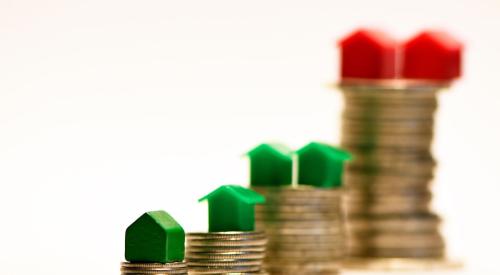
(305, 229)
(388, 124)
(232, 246)
(390, 133)
(304, 223)
(226, 252)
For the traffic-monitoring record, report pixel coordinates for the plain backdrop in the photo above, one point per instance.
(110, 108)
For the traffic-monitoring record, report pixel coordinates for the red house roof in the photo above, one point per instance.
(432, 55)
(369, 54)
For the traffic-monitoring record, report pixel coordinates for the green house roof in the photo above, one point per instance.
(327, 150)
(154, 237)
(278, 149)
(240, 193)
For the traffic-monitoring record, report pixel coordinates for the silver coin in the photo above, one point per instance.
(224, 249)
(308, 239)
(288, 216)
(233, 244)
(237, 235)
(361, 180)
(223, 262)
(224, 269)
(289, 232)
(294, 208)
(399, 253)
(224, 255)
(154, 268)
(416, 223)
(418, 143)
(401, 240)
(390, 92)
(329, 267)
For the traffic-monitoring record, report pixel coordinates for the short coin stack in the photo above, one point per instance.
(226, 252)
(305, 229)
(178, 268)
(389, 130)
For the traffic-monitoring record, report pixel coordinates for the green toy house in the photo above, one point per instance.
(270, 165)
(155, 237)
(232, 208)
(321, 165)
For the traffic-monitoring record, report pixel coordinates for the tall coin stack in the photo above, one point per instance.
(226, 252)
(388, 124)
(389, 130)
(305, 229)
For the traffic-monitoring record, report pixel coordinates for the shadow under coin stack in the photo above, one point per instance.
(388, 126)
(231, 246)
(154, 244)
(304, 224)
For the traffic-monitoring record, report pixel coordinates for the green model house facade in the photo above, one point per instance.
(232, 208)
(321, 165)
(271, 164)
(155, 237)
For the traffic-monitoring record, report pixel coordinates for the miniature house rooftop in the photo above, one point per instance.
(277, 149)
(155, 237)
(237, 193)
(232, 208)
(321, 165)
(432, 55)
(270, 165)
(368, 54)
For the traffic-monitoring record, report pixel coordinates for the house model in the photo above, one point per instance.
(368, 54)
(232, 208)
(155, 237)
(372, 54)
(321, 165)
(432, 55)
(270, 165)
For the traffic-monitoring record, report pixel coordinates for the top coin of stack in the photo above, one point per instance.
(388, 124)
(179, 268)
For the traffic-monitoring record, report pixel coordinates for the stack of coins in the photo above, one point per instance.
(226, 252)
(389, 130)
(305, 229)
(154, 268)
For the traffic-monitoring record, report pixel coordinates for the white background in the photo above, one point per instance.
(110, 108)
